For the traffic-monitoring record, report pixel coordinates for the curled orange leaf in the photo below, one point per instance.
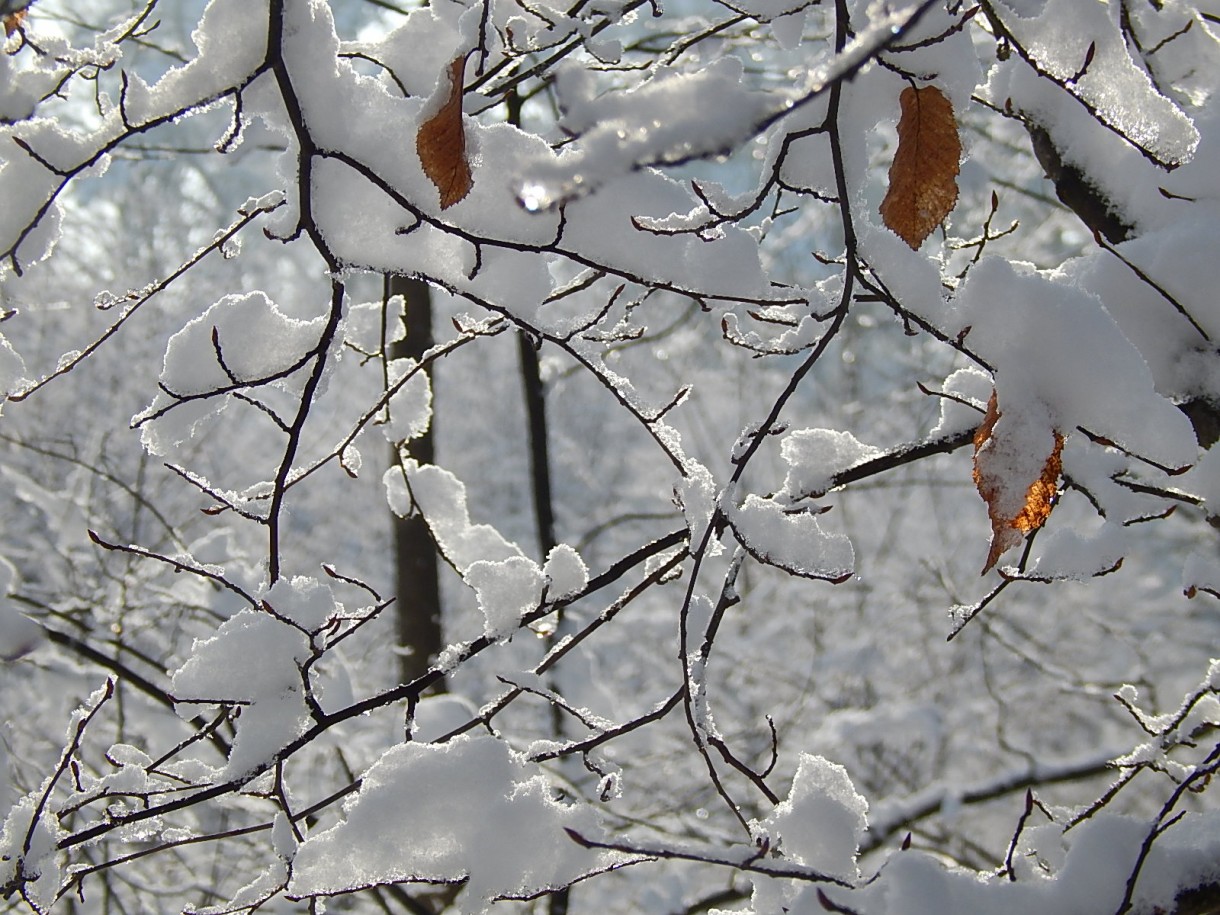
(923, 176)
(1018, 485)
(13, 21)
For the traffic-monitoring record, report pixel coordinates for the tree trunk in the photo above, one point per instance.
(415, 559)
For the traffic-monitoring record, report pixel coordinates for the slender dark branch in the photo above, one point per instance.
(899, 457)
(760, 433)
(388, 697)
(377, 408)
(746, 860)
(178, 565)
(1156, 287)
(216, 244)
(1201, 774)
(553, 246)
(589, 743)
(1066, 84)
(140, 498)
(1016, 836)
(69, 174)
(125, 673)
(1003, 786)
(65, 758)
(297, 427)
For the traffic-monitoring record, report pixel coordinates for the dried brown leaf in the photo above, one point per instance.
(13, 21)
(441, 143)
(923, 176)
(994, 465)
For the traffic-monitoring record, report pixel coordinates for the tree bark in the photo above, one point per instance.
(417, 574)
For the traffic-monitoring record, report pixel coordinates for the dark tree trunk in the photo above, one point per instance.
(540, 462)
(415, 559)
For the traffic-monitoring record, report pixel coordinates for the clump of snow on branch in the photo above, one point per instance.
(410, 406)
(821, 821)
(1104, 78)
(1055, 348)
(242, 341)
(507, 583)
(256, 660)
(566, 573)
(651, 123)
(814, 456)
(792, 539)
(1085, 870)
(469, 810)
(441, 498)
(506, 590)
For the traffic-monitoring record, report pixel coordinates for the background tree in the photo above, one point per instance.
(808, 340)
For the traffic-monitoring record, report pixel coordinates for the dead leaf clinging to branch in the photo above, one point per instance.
(923, 176)
(1000, 470)
(441, 143)
(13, 21)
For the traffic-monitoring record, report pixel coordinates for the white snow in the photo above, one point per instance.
(12, 370)
(566, 573)
(968, 390)
(242, 339)
(814, 456)
(673, 115)
(791, 539)
(821, 821)
(1117, 88)
(507, 590)
(1100, 855)
(1055, 349)
(470, 808)
(411, 404)
(441, 497)
(256, 660)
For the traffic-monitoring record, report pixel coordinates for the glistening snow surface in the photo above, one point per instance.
(506, 583)
(242, 340)
(506, 591)
(821, 821)
(814, 456)
(1084, 873)
(1055, 345)
(256, 659)
(1119, 90)
(792, 539)
(469, 808)
(1074, 347)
